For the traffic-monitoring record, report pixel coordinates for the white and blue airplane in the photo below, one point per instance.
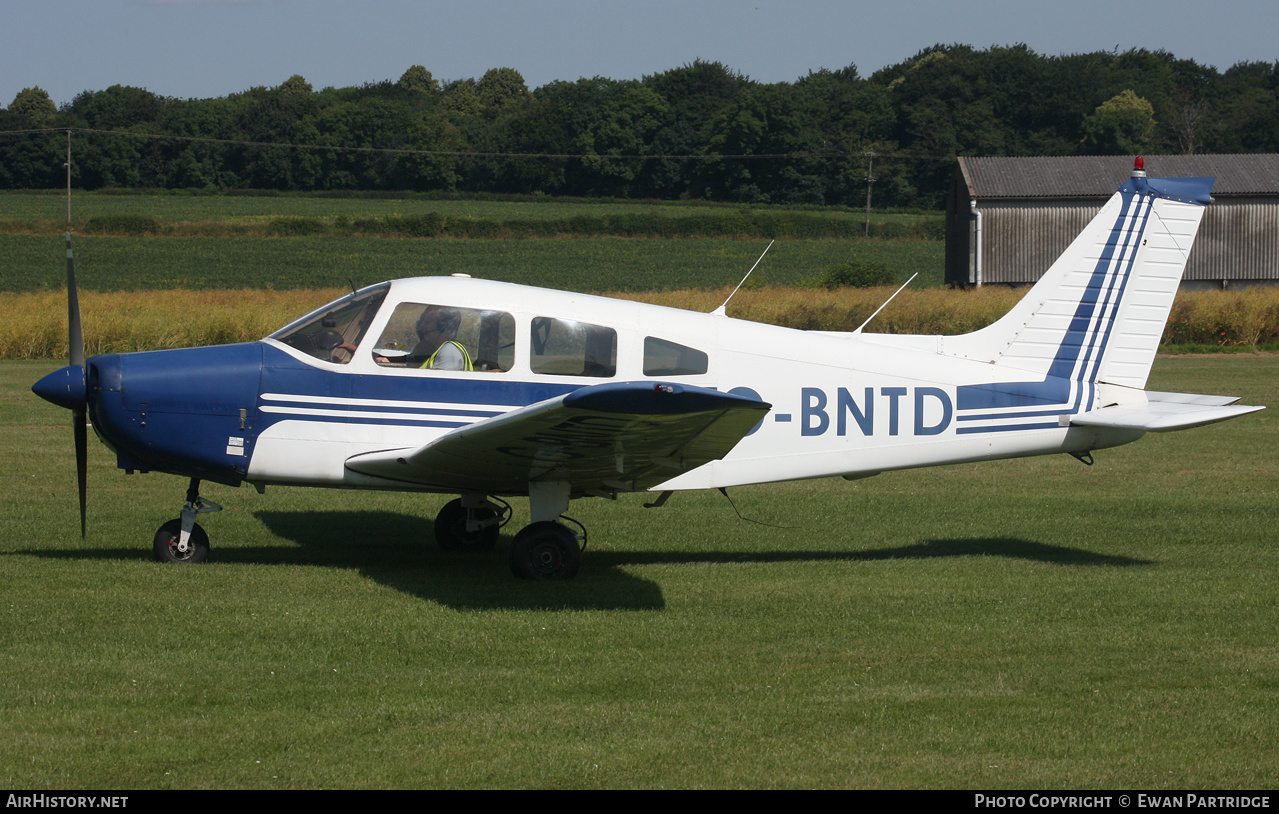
(488, 390)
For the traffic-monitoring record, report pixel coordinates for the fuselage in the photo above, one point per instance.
(293, 408)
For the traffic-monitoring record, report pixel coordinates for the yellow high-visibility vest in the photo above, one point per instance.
(467, 364)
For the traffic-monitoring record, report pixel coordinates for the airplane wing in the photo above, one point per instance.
(1165, 412)
(623, 436)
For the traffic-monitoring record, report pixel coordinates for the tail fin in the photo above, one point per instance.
(1098, 313)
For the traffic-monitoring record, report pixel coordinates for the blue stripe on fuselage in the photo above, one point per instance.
(286, 376)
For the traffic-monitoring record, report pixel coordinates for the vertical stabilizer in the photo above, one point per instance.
(1099, 311)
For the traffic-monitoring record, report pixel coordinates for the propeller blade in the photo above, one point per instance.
(78, 427)
(75, 334)
(79, 419)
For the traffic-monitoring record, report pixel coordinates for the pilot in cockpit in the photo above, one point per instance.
(446, 337)
(438, 348)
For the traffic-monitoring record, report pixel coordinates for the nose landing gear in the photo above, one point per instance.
(183, 540)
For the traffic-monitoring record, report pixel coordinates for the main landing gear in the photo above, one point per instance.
(470, 523)
(544, 549)
(183, 540)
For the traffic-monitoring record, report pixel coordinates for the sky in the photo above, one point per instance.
(210, 48)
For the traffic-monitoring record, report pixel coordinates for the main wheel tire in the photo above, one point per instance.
(451, 533)
(545, 550)
(166, 544)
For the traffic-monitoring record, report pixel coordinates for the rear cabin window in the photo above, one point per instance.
(441, 337)
(566, 348)
(665, 358)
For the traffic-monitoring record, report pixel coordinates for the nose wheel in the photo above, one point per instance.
(183, 540)
(169, 547)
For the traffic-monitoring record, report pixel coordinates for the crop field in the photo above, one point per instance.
(33, 263)
(1018, 624)
(289, 242)
(51, 207)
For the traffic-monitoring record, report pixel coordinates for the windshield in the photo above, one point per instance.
(333, 332)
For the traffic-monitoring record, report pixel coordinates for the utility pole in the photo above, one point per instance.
(68, 180)
(870, 182)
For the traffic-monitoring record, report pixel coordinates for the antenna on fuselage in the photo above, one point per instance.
(885, 305)
(723, 313)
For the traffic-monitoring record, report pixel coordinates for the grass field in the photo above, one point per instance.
(1021, 624)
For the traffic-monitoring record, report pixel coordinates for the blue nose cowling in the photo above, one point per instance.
(64, 387)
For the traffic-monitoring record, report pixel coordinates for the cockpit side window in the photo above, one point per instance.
(442, 337)
(665, 358)
(564, 347)
(333, 332)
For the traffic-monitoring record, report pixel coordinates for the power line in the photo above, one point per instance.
(474, 154)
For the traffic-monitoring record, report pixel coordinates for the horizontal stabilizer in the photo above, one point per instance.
(1164, 412)
(623, 436)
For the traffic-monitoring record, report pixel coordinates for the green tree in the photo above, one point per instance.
(1123, 124)
(944, 106)
(461, 97)
(283, 115)
(198, 164)
(295, 84)
(762, 125)
(848, 114)
(119, 107)
(501, 88)
(1246, 108)
(429, 132)
(695, 95)
(34, 106)
(599, 119)
(418, 81)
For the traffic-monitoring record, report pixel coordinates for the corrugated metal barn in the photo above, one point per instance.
(1007, 219)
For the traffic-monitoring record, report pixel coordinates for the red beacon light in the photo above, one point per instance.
(1139, 168)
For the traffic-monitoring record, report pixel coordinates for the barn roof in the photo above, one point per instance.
(1100, 175)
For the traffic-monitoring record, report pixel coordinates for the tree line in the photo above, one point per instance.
(700, 131)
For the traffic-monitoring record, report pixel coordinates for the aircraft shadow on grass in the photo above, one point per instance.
(399, 551)
(1007, 547)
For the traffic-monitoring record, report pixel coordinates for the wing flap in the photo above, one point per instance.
(1165, 412)
(622, 436)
